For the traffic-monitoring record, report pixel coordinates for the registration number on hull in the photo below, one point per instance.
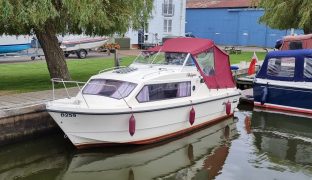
(68, 115)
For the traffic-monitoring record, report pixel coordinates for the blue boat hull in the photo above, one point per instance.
(285, 97)
(13, 48)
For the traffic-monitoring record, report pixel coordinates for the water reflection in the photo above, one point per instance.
(257, 145)
(183, 158)
(36, 159)
(283, 137)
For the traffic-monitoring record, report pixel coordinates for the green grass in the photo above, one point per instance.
(245, 56)
(34, 76)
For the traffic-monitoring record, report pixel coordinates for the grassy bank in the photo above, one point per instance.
(245, 56)
(34, 76)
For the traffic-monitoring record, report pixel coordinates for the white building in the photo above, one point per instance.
(168, 19)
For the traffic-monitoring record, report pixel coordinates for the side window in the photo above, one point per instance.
(281, 67)
(307, 68)
(154, 92)
(295, 45)
(206, 62)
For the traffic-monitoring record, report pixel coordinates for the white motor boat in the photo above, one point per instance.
(167, 91)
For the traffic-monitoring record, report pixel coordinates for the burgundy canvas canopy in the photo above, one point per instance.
(222, 78)
(184, 45)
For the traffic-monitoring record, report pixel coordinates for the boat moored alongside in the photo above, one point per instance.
(284, 81)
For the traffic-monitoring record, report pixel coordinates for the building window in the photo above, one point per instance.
(281, 67)
(307, 68)
(206, 62)
(156, 92)
(109, 88)
(168, 25)
(168, 8)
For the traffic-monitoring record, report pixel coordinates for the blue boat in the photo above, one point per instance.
(284, 81)
(11, 48)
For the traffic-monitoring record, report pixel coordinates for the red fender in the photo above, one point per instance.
(192, 116)
(228, 108)
(132, 125)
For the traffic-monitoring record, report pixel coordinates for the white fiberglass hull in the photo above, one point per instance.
(83, 44)
(94, 129)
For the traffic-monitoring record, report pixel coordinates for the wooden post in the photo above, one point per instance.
(116, 59)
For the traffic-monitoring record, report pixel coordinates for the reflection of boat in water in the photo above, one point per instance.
(33, 159)
(202, 153)
(283, 137)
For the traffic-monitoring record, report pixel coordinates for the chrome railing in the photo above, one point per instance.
(78, 84)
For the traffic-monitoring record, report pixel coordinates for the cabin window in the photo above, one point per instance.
(295, 45)
(109, 88)
(307, 68)
(281, 67)
(206, 62)
(155, 92)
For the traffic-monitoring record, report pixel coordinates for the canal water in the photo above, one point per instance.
(254, 145)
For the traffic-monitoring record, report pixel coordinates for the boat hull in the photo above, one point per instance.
(10, 48)
(284, 98)
(83, 44)
(89, 130)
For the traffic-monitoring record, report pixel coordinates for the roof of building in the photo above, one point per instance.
(218, 3)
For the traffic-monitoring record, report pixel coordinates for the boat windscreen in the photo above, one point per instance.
(170, 58)
(109, 88)
(146, 57)
(161, 58)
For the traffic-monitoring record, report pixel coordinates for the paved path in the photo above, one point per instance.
(14, 101)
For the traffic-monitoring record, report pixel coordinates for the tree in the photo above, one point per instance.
(287, 14)
(49, 18)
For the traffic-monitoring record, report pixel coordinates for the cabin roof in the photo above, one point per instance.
(289, 53)
(297, 37)
(300, 59)
(222, 77)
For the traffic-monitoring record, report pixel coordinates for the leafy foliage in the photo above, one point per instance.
(286, 14)
(93, 17)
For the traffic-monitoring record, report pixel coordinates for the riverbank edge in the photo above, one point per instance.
(23, 123)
